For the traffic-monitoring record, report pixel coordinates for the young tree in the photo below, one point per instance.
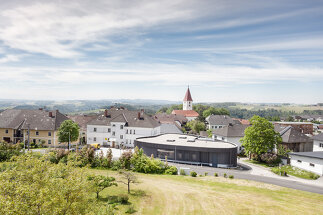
(109, 157)
(196, 126)
(260, 137)
(68, 132)
(129, 178)
(101, 182)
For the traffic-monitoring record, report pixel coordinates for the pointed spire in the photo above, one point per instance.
(188, 96)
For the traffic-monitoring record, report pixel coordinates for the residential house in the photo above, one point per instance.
(310, 161)
(231, 133)
(219, 121)
(294, 139)
(82, 121)
(318, 142)
(41, 124)
(118, 127)
(304, 127)
(171, 123)
(187, 111)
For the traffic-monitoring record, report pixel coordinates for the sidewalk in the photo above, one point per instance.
(264, 171)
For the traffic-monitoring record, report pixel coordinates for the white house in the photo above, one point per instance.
(187, 111)
(231, 133)
(219, 121)
(318, 143)
(310, 161)
(120, 127)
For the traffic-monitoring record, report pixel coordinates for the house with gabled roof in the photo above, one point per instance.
(42, 125)
(118, 127)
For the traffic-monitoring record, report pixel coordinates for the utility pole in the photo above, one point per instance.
(69, 140)
(28, 126)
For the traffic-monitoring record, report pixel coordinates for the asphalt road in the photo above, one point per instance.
(245, 174)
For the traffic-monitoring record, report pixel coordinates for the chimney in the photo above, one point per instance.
(40, 108)
(138, 115)
(106, 113)
(50, 114)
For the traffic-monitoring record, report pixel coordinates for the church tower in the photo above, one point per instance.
(188, 101)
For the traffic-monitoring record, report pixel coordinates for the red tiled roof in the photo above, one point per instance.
(186, 113)
(243, 121)
(188, 97)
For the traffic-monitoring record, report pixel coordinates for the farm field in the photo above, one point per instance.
(162, 194)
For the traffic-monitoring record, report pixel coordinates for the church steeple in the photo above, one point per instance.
(187, 102)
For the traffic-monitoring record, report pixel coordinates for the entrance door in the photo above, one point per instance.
(214, 160)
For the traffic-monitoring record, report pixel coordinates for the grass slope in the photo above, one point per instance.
(162, 194)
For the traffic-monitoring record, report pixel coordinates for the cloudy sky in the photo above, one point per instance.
(226, 50)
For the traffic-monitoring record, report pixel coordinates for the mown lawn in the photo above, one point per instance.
(163, 194)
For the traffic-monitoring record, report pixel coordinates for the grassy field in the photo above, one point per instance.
(296, 108)
(162, 194)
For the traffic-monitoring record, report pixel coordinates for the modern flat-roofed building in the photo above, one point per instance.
(189, 149)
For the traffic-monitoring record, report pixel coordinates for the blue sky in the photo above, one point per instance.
(244, 51)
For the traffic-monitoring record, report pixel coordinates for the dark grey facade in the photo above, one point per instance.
(216, 157)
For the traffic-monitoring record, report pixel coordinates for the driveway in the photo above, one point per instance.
(246, 174)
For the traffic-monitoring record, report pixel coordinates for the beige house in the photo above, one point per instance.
(42, 126)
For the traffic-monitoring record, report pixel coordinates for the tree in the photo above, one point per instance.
(109, 157)
(101, 182)
(215, 111)
(260, 137)
(68, 132)
(40, 187)
(129, 177)
(290, 119)
(196, 126)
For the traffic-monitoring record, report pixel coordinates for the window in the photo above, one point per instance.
(299, 161)
(49, 142)
(37, 133)
(194, 157)
(311, 164)
(216, 126)
(113, 133)
(114, 125)
(321, 145)
(7, 131)
(109, 130)
(134, 131)
(34, 140)
(121, 136)
(130, 131)
(94, 129)
(220, 126)
(222, 138)
(49, 133)
(121, 126)
(127, 131)
(94, 138)
(179, 156)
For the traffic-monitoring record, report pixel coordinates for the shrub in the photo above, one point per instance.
(123, 198)
(112, 199)
(206, 173)
(225, 175)
(7, 151)
(201, 175)
(231, 176)
(270, 158)
(172, 170)
(130, 210)
(125, 159)
(116, 165)
(193, 174)
(215, 174)
(182, 172)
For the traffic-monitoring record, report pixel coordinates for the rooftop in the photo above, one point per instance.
(35, 119)
(236, 130)
(186, 113)
(130, 118)
(188, 96)
(290, 134)
(295, 123)
(221, 120)
(308, 154)
(318, 137)
(185, 140)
